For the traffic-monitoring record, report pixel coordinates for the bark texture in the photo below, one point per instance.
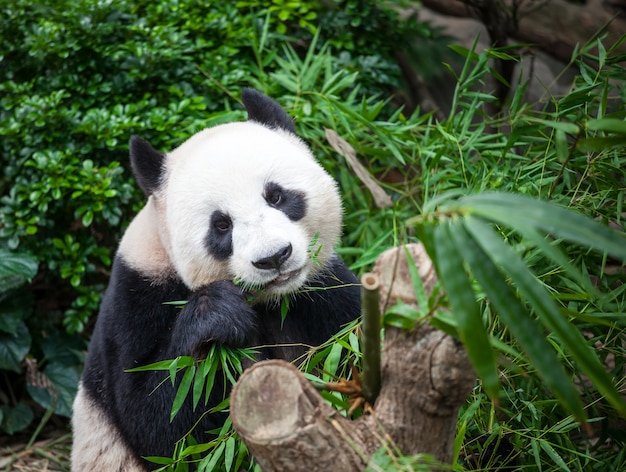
(426, 377)
(556, 26)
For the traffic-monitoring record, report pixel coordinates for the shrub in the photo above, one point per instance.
(77, 78)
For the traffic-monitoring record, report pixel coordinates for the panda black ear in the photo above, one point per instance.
(147, 164)
(266, 111)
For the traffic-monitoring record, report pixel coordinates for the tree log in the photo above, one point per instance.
(555, 26)
(426, 377)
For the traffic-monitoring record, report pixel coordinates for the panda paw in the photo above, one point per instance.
(215, 313)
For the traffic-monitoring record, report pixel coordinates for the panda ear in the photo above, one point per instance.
(266, 111)
(147, 164)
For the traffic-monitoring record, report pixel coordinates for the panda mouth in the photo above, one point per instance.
(284, 278)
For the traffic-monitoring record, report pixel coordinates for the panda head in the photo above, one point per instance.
(243, 201)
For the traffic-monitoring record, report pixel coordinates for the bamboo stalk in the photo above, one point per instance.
(370, 337)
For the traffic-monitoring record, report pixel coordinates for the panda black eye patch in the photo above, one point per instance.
(219, 241)
(291, 202)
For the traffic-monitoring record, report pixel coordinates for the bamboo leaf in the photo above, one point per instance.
(480, 256)
(229, 454)
(464, 307)
(183, 390)
(179, 362)
(198, 386)
(557, 256)
(519, 212)
(546, 308)
(416, 280)
(608, 125)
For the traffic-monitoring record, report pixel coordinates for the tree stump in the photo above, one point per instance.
(426, 377)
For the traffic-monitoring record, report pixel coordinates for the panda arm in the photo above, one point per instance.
(215, 313)
(136, 326)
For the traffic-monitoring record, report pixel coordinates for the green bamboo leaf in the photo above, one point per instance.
(520, 212)
(182, 361)
(229, 453)
(209, 381)
(198, 386)
(554, 455)
(464, 307)
(569, 128)
(554, 252)
(331, 364)
(416, 280)
(480, 256)
(608, 125)
(598, 144)
(183, 390)
(211, 460)
(560, 141)
(547, 310)
(197, 449)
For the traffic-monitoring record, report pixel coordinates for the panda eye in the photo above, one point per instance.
(274, 197)
(222, 224)
(274, 194)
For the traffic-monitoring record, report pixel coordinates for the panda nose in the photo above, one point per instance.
(275, 260)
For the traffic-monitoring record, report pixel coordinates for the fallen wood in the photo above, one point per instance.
(426, 377)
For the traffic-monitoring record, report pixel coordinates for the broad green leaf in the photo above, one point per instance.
(15, 306)
(16, 268)
(15, 418)
(66, 349)
(14, 347)
(57, 387)
(464, 306)
(547, 311)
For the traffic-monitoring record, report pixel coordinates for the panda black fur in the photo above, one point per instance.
(238, 201)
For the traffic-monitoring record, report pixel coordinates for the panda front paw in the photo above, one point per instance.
(215, 313)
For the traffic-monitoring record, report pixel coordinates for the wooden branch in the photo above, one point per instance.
(287, 425)
(555, 26)
(426, 377)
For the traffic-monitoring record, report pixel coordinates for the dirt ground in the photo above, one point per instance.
(50, 452)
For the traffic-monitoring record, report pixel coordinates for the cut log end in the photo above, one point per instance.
(269, 401)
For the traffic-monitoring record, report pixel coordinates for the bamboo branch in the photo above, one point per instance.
(371, 324)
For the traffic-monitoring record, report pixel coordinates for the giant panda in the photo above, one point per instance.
(238, 208)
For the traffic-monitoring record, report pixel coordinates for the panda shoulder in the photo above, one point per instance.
(141, 247)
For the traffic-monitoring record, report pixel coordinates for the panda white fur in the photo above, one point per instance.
(241, 201)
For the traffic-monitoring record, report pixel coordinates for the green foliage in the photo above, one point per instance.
(537, 295)
(77, 79)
